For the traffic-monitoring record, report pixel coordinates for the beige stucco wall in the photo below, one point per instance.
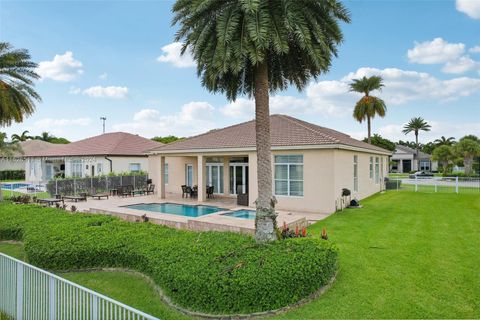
(12, 164)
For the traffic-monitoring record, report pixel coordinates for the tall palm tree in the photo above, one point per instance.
(445, 141)
(468, 149)
(7, 150)
(257, 48)
(22, 137)
(368, 106)
(416, 125)
(17, 95)
(45, 136)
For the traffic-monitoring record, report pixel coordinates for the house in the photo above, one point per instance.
(17, 161)
(310, 165)
(404, 160)
(103, 154)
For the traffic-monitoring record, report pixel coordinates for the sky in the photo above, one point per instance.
(119, 60)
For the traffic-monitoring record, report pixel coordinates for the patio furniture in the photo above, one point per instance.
(185, 191)
(126, 191)
(113, 191)
(242, 198)
(100, 195)
(194, 192)
(81, 197)
(210, 190)
(50, 201)
(149, 189)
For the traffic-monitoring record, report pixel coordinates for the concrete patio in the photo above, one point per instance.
(217, 221)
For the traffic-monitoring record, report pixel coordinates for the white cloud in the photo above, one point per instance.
(75, 90)
(172, 54)
(62, 68)
(194, 118)
(461, 65)
(469, 7)
(103, 76)
(435, 51)
(475, 49)
(106, 92)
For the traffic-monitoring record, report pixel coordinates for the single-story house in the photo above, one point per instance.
(110, 152)
(405, 159)
(17, 160)
(310, 165)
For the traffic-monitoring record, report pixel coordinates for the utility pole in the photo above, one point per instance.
(103, 120)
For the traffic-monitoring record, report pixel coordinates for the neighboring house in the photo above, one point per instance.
(404, 160)
(17, 161)
(109, 152)
(310, 164)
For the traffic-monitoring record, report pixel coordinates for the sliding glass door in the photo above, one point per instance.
(238, 178)
(215, 176)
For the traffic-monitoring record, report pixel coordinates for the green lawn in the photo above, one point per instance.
(40, 195)
(403, 255)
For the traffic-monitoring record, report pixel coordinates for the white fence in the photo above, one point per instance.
(27, 292)
(436, 184)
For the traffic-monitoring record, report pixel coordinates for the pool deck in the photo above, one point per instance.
(211, 222)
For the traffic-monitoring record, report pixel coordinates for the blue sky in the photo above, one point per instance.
(117, 59)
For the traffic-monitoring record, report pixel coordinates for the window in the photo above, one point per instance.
(165, 176)
(189, 175)
(134, 167)
(76, 168)
(371, 168)
(355, 173)
(424, 165)
(289, 175)
(214, 172)
(381, 167)
(377, 170)
(99, 168)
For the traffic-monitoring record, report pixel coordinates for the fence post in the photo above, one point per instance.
(416, 183)
(134, 186)
(91, 184)
(74, 186)
(456, 184)
(19, 291)
(95, 308)
(53, 299)
(56, 186)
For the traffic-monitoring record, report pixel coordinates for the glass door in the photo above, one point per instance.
(215, 177)
(238, 178)
(189, 175)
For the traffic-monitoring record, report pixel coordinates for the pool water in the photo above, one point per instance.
(242, 214)
(13, 186)
(177, 209)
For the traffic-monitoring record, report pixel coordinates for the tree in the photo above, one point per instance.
(444, 155)
(468, 149)
(445, 141)
(368, 106)
(7, 150)
(167, 139)
(415, 125)
(17, 95)
(22, 137)
(255, 48)
(378, 141)
(428, 147)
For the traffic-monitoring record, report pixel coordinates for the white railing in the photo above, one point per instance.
(436, 184)
(27, 292)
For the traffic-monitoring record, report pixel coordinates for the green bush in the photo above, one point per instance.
(12, 175)
(210, 272)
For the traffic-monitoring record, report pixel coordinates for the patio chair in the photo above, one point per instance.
(127, 191)
(149, 189)
(210, 190)
(185, 191)
(194, 192)
(242, 198)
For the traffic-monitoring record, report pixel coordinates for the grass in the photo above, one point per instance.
(40, 195)
(403, 255)
(13, 250)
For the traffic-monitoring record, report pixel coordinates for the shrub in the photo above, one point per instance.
(12, 175)
(211, 272)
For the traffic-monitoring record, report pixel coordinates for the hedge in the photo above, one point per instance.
(12, 175)
(212, 272)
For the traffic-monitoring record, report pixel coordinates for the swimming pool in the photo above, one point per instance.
(242, 214)
(177, 209)
(13, 186)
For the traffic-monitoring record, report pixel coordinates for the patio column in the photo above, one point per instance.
(201, 179)
(226, 175)
(400, 167)
(162, 178)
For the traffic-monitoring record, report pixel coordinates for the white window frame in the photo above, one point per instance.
(135, 164)
(165, 173)
(371, 168)
(76, 168)
(377, 170)
(355, 173)
(288, 180)
(220, 175)
(99, 168)
(187, 183)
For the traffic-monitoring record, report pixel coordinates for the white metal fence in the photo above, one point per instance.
(435, 184)
(27, 292)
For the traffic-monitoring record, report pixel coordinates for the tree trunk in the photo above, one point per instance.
(265, 221)
(369, 124)
(416, 150)
(468, 162)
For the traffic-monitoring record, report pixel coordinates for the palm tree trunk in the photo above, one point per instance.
(369, 124)
(416, 150)
(265, 221)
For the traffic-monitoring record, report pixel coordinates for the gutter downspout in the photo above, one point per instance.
(111, 163)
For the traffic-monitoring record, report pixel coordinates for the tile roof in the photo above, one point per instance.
(285, 131)
(421, 155)
(113, 144)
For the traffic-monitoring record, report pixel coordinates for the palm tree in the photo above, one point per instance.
(23, 137)
(415, 125)
(45, 136)
(7, 150)
(468, 149)
(368, 106)
(445, 141)
(17, 95)
(257, 48)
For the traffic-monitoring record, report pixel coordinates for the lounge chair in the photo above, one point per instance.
(126, 191)
(149, 189)
(81, 197)
(100, 195)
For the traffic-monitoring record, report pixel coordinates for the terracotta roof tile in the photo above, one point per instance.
(284, 131)
(115, 143)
